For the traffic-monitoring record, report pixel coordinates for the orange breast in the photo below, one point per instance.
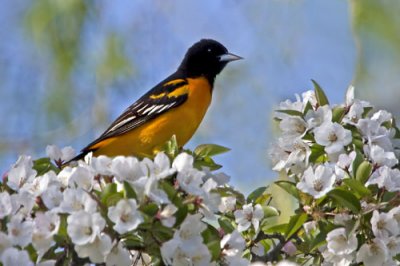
(181, 121)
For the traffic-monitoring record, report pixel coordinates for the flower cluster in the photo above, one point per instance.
(342, 168)
(123, 210)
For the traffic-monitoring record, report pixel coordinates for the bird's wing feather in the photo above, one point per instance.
(160, 99)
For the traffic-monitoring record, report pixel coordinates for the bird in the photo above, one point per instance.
(175, 106)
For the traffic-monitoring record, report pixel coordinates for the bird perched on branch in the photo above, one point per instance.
(175, 106)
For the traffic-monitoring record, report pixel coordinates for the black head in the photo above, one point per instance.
(206, 58)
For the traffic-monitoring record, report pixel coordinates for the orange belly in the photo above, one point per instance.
(150, 137)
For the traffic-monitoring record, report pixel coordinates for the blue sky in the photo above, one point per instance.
(284, 43)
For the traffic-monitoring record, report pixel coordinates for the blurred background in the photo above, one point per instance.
(69, 67)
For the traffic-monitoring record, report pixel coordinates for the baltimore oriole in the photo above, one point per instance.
(175, 106)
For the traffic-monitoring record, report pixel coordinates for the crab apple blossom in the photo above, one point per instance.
(84, 227)
(332, 136)
(317, 182)
(249, 216)
(125, 215)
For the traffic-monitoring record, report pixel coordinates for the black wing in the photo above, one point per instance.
(169, 94)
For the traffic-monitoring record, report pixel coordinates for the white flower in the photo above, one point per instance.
(249, 216)
(5, 242)
(22, 202)
(382, 116)
(298, 105)
(190, 181)
(52, 196)
(333, 136)
(19, 231)
(209, 200)
(183, 162)
(380, 157)
(76, 200)
(237, 261)
(309, 227)
(309, 96)
(60, 155)
(161, 166)
(197, 255)
(355, 113)
(46, 226)
(393, 245)
(318, 117)
(386, 177)
(166, 216)
(81, 176)
(125, 216)
(340, 242)
(187, 244)
(337, 260)
(96, 250)
(372, 254)
(119, 256)
(12, 257)
(342, 219)
(375, 134)
(153, 192)
(293, 127)
(21, 173)
(232, 244)
(383, 225)
(344, 164)
(84, 227)
(101, 165)
(39, 184)
(5, 204)
(317, 183)
(127, 169)
(228, 204)
(395, 212)
(220, 178)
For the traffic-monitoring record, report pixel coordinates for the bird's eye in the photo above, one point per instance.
(209, 50)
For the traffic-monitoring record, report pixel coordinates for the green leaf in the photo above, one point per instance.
(279, 228)
(307, 108)
(161, 232)
(44, 165)
(270, 211)
(289, 187)
(206, 161)
(295, 223)
(345, 199)
(212, 239)
(134, 241)
(290, 112)
(150, 209)
(181, 214)
(359, 189)
(226, 224)
(171, 147)
(129, 192)
(317, 153)
(318, 241)
(357, 161)
(256, 193)
(363, 172)
(110, 196)
(320, 94)
(338, 113)
(206, 150)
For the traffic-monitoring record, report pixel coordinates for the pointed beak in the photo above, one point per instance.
(228, 57)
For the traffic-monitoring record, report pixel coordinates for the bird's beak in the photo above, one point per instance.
(228, 57)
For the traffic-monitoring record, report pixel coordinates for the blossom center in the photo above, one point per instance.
(381, 224)
(332, 137)
(318, 185)
(87, 230)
